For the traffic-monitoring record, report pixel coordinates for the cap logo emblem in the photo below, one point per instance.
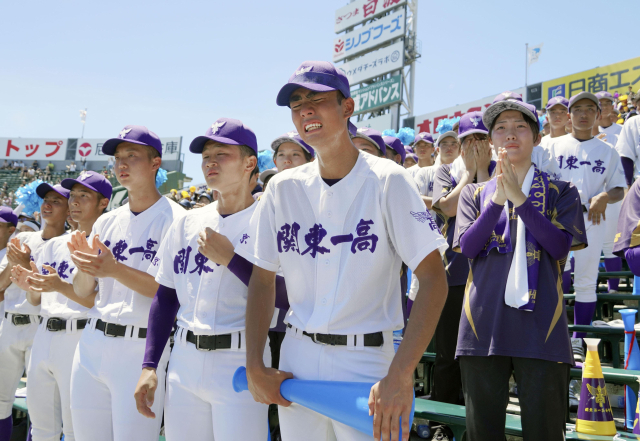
(507, 94)
(123, 133)
(84, 176)
(303, 70)
(362, 129)
(475, 121)
(216, 126)
(292, 134)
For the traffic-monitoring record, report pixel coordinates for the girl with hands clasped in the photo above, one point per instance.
(515, 229)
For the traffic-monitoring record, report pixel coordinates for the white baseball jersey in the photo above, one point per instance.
(414, 169)
(55, 253)
(15, 299)
(592, 166)
(424, 177)
(628, 144)
(213, 301)
(612, 133)
(134, 241)
(341, 247)
(544, 142)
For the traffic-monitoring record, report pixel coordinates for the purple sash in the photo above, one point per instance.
(501, 238)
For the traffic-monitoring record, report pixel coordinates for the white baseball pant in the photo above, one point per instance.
(311, 361)
(587, 262)
(201, 403)
(15, 351)
(49, 385)
(103, 379)
(612, 213)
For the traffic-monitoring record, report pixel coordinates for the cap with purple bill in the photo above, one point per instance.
(584, 96)
(91, 180)
(226, 131)
(7, 215)
(293, 137)
(495, 109)
(412, 156)
(557, 100)
(423, 136)
(318, 76)
(373, 136)
(136, 135)
(409, 150)
(396, 145)
(45, 188)
(471, 123)
(604, 95)
(508, 95)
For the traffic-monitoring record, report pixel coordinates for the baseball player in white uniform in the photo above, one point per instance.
(340, 234)
(609, 134)
(595, 169)
(210, 341)
(558, 116)
(21, 318)
(115, 260)
(423, 148)
(49, 284)
(8, 223)
(628, 146)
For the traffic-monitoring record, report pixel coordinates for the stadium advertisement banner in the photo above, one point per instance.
(91, 149)
(380, 94)
(374, 64)
(360, 10)
(429, 121)
(369, 36)
(31, 149)
(614, 78)
(379, 123)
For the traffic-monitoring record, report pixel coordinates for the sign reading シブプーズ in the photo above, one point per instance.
(369, 36)
(614, 78)
(360, 10)
(380, 94)
(374, 64)
(91, 149)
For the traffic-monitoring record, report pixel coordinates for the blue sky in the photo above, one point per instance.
(178, 66)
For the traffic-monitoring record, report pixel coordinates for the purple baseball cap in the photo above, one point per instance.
(408, 149)
(604, 95)
(495, 109)
(508, 95)
(45, 188)
(7, 215)
(318, 76)
(373, 136)
(557, 100)
(423, 136)
(93, 181)
(396, 145)
(226, 131)
(352, 128)
(293, 137)
(136, 135)
(584, 95)
(471, 123)
(412, 156)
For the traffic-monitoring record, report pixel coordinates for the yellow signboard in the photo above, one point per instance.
(615, 77)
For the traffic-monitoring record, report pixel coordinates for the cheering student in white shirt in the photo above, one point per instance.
(340, 232)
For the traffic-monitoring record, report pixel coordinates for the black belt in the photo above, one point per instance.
(373, 339)
(114, 330)
(18, 319)
(55, 324)
(212, 342)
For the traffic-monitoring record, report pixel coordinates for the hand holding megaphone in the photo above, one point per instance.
(350, 403)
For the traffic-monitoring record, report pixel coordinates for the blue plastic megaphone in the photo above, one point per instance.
(343, 401)
(631, 360)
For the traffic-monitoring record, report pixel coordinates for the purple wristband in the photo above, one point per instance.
(555, 241)
(242, 269)
(164, 308)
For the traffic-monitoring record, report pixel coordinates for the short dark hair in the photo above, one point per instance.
(533, 125)
(248, 151)
(307, 155)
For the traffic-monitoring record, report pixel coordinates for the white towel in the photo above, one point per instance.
(516, 293)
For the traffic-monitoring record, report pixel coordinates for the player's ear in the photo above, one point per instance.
(11, 230)
(103, 204)
(250, 162)
(537, 139)
(348, 107)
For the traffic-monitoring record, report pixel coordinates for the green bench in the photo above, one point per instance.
(605, 304)
(609, 350)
